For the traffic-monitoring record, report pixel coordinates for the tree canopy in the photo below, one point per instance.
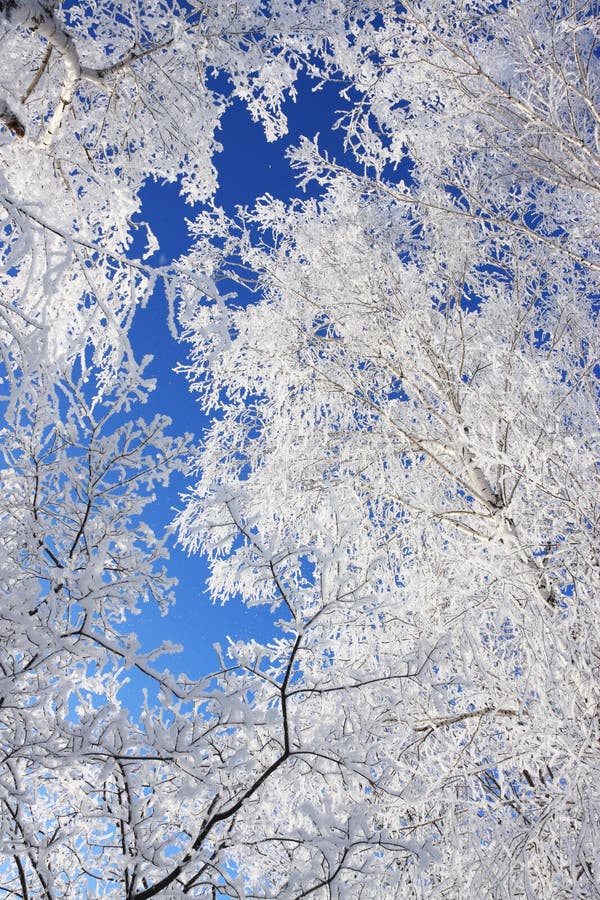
(401, 460)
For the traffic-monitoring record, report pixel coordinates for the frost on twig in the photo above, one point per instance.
(10, 119)
(36, 78)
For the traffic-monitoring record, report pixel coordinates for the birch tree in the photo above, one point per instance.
(95, 100)
(408, 450)
(421, 463)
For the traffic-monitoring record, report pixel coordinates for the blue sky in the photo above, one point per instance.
(248, 168)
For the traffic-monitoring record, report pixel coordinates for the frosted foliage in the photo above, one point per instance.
(95, 99)
(401, 461)
(408, 447)
(404, 460)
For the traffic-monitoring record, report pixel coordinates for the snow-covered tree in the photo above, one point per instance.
(406, 455)
(95, 100)
(402, 463)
